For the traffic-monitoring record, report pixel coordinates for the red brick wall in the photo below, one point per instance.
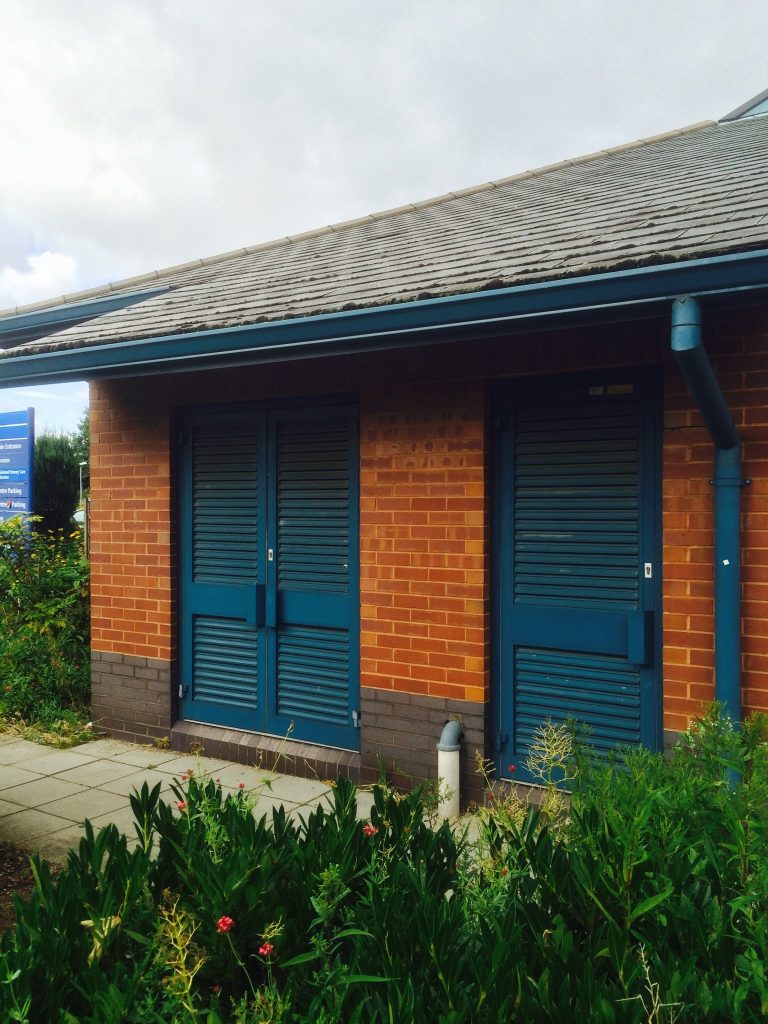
(130, 520)
(425, 500)
(424, 541)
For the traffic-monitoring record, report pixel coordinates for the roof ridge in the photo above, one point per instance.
(165, 272)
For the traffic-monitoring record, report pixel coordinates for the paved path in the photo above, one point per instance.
(45, 793)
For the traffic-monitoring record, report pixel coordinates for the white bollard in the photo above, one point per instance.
(448, 763)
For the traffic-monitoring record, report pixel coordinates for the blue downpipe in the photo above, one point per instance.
(728, 483)
(702, 383)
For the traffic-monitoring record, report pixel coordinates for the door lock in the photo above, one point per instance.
(648, 570)
(270, 554)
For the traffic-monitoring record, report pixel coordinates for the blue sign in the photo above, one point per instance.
(17, 449)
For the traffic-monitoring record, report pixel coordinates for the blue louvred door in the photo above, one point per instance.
(269, 571)
(577, 581)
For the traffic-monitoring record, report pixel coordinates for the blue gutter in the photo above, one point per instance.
(41, 322)
(408, 323)
(728, 481)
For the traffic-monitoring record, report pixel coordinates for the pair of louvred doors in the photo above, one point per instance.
(269, 571)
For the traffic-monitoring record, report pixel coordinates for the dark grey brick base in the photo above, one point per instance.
(131, 696)
(671, 739)
(132, 700)
(272, 753)
(400, 732)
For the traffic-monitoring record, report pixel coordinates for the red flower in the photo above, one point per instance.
(224, 924)
(511, 768)
(369, 830)
(267, 949)
(241, 785)
(215, 989)
(181, 805)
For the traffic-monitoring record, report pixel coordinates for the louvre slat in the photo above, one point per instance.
(313, 505)
(225, 662)
(313, 674)
(225, 527)
(601, 692)
(576, 514)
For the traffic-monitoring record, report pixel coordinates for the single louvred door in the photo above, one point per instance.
(223, 593)
(313, 573)
(577, 587)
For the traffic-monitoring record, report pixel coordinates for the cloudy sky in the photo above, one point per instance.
(139, 134)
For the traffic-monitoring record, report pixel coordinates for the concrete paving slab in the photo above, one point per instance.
(56, 845)
(266, 804)
(299, 791)
(42, 791)
(178, 766)
(364, 804)
(19, 751)
(90, 803)
(11, 775)
(231, 775)
(126, 784)
(145, 757)
(97, 772)
(28, 825)
(467, 828)
(6, 807)
(102, 748)
(56, 761)
(123, 819)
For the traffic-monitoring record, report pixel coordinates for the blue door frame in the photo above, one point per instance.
(269, 570)
(577, 566)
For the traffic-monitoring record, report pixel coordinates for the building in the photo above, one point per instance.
(451, 460)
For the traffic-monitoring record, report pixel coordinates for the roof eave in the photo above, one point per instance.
(407, 323)
(18, 327)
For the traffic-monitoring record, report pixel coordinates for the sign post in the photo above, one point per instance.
(17, 449)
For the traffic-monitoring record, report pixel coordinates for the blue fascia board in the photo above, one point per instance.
(65, 314)
(407, 323)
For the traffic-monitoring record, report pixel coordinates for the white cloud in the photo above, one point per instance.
(46, 275)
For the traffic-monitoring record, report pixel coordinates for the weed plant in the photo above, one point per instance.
(639, 897)
(44, 631)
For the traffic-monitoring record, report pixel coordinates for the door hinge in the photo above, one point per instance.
(501, 741)
(183, 438)
(183, 691)
(500, 420)
(356, 719)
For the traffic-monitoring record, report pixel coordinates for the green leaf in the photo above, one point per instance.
(650, 903)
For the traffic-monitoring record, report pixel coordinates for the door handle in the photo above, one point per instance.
(640, 637)
(255, 605)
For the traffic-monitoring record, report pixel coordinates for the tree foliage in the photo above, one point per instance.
(81, 439)
(57, 481)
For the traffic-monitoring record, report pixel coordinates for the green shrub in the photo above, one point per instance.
(644, 899)
(44, 624)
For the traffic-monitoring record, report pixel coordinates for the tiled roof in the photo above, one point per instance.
(698, 192)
